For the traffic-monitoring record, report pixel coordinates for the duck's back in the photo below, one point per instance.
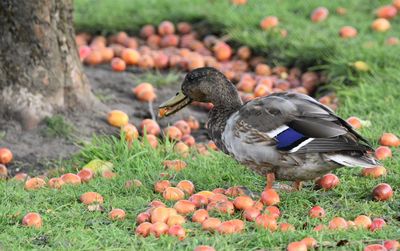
(292, 134)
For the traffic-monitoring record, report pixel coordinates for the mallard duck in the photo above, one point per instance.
(283, 136)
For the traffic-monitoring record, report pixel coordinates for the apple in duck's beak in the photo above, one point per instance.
(174, 104)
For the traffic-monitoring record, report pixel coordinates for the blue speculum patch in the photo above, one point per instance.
(289, 139)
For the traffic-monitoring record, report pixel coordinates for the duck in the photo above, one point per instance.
(284, 136)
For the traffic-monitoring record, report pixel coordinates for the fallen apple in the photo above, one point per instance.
(32, 220)
(117, 214)
(382, 192)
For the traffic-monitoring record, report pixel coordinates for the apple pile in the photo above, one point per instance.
(210, 210)
(204, 207)
(179, 132)
(169, 46)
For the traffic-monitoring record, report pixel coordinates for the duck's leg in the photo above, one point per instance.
(270, 180)
(281, 187)
(297, 185)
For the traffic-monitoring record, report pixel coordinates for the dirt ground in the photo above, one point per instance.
(36, 151)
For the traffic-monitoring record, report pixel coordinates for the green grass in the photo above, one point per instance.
(2, 134)
(307, 44)
(69, 225)
(103, 96)
(57, 126)
(158, 78)
(373, 96)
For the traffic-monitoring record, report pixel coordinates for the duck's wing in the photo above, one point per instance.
(298, 123)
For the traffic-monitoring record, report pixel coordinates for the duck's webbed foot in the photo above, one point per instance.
(297, 185)
(280, 187)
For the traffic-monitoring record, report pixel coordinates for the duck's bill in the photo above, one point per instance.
(173, 105)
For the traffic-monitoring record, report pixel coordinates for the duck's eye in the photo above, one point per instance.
(177, 94)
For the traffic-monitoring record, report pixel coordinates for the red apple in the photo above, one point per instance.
(391, 245)
(159, 228)
(297, 246)
(173, 194)
(267, 222)
(382, 192)
(142, 217)
(377, 224)
(147, 31)
(389, 139)
(348, 32)
(328, 181)
(285, 227)
(204, 248)
(210, 224)
(143, 229)
(117, 214)
(243, 202)
(374, 172)
(375, 247)
(223, 207)
(161, 185)
(184, 207)
(186, 186)
(319, 14)
(251, 213)
(34, 183)
(226, 227)
(363, 221)
(338, 223)
(177, 231)
(200, 215)
(380, 25)
(84, 51)
(310, 242)
(85, 174)
(396, 4)
(5, 156)
(392, 41)
(166, 28)
(387, 12)
(32, 220)
(354, 122)
(273, 211)
(383, 152)
(269, 22)
(317, 212)
(270, 197)
(89, 198)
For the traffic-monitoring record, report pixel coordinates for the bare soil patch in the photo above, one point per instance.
(40, 149)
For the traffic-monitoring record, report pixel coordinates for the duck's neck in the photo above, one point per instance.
(217, 118)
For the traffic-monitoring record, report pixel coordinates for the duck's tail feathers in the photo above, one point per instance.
(353, 161)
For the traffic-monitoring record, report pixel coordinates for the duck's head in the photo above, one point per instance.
(205, 84)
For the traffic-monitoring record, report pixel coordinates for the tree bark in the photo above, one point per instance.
(40, 70)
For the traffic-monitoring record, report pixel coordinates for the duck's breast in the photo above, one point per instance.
(248, 145)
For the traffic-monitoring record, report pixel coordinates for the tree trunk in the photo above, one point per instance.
(40, 70)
